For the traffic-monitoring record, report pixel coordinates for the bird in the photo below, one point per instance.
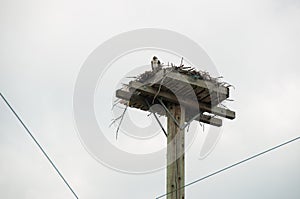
(155, 64)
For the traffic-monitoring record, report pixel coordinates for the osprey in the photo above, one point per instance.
(155, 64)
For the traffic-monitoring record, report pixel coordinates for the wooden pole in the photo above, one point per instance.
(175, 153)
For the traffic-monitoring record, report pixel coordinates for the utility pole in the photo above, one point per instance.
(175, 153)
(174, 88)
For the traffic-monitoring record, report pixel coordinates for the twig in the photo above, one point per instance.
(231, 100)
(115, 104)
(122, 117)
(188, 128)
(181, 63)
(224, 106)
(202, 125)
(114, 120)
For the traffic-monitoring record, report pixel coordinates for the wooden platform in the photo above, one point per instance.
(173, 87)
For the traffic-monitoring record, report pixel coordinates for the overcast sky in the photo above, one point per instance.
(254, 44)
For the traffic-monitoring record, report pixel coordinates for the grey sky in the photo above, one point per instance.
(254, 44)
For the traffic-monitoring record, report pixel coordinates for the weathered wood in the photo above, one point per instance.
(206, 119)
(168, 75)
(148, 90)
(175, 154)
(177, 91)
(138, 101)
(135, 101)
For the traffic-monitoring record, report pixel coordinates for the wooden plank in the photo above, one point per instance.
(199, 92)
(208, 120)
(181, 78)
(187, 102)
(137, 101)
(217, 99)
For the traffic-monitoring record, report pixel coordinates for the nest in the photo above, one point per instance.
(189, 71)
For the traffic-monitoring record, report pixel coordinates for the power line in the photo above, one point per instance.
(40, 147)
(231, 166)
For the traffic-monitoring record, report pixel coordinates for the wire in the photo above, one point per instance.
(40, 147)
(233, 165)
